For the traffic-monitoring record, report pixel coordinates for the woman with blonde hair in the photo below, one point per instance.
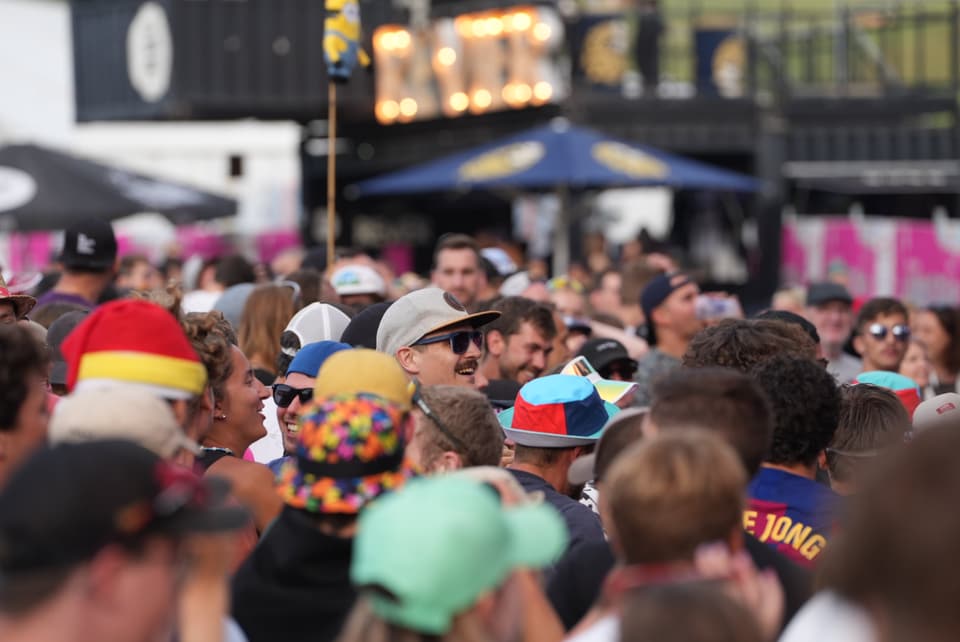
(265, 315)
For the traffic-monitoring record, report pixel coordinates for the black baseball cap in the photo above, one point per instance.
(69, 501)
(602, 352)
(655, 293)
(361, 332)
(820, 293)
(89, 244)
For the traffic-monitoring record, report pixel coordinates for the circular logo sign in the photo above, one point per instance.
(627, 160)
(17, 188)
(150, 52)
(503, 161)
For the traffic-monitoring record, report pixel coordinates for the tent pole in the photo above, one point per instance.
(561, 236)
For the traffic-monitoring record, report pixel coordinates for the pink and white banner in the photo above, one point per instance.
(917, 261)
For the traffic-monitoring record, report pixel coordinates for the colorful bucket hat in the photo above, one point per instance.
(906, 389)
(350, 451)
(558, 411)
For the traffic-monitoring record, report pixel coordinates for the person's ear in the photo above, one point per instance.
(494, 343)
(822, 460)
(408, 358)
(858, 343)
(735, 539)
(660, 316)
(449, 461)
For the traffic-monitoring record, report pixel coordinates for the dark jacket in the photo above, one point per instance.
(296, 583)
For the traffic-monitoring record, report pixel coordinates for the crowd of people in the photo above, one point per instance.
(225, 451)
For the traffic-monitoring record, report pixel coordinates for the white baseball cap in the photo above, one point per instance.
(316, 322)
(417, 314)
(942, 410)
(358, 279)
(119, 412)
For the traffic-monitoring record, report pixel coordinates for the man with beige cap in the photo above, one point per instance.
(433, 337)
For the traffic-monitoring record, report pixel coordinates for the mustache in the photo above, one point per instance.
(472, 362)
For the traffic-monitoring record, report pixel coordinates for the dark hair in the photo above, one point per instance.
(871, 419)
(128, 262)
(517, 310)
(742, 344)
(878, 307)
(635, 277)
(617, 437)
(309, 281)
(234, 270)
(806, 407)
(719, 400)
(949, 319)
(686, 612)
(21, 355)
(789, 317)
(456, 242)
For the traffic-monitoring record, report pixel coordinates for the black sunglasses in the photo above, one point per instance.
(283, 394)
(459, 341)
(625, 370)
(879, 331)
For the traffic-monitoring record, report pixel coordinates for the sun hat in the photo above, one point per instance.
(905, 388)
(350, 450)
(415, 315)
(22, 303)
(557, 411)
(427, 553)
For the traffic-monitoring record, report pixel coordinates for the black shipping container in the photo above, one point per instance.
(211, 59)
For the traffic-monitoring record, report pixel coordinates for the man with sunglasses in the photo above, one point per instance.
(882, 334)
(295, 391)
(433, 337)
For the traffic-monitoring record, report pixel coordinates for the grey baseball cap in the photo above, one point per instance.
(417, 314)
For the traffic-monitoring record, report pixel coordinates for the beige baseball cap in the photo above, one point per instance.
(942, 410)
(417, 314)
(119, 412)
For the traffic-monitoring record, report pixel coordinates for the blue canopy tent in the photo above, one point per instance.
(560, 157)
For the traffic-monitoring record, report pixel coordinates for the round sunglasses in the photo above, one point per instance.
(879, 331)
(283, 395)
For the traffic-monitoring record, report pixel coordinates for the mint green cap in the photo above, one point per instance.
(438, 544)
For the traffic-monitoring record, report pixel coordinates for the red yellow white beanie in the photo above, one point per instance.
(133, 342)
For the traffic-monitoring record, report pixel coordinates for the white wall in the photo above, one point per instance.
(37, 105)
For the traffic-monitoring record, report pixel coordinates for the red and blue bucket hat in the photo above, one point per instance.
(557, 411)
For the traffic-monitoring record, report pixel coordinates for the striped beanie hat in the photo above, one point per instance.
(133, 342)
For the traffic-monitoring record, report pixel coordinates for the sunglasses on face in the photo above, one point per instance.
(879, 331)
(459, 341)
(626, 371)
(283, 394)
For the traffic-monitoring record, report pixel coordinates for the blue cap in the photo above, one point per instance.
(312, 356)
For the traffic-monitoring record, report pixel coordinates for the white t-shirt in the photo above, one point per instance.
(270, 447)
(606, 629)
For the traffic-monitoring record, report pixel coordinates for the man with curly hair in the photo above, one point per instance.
(787, 508)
